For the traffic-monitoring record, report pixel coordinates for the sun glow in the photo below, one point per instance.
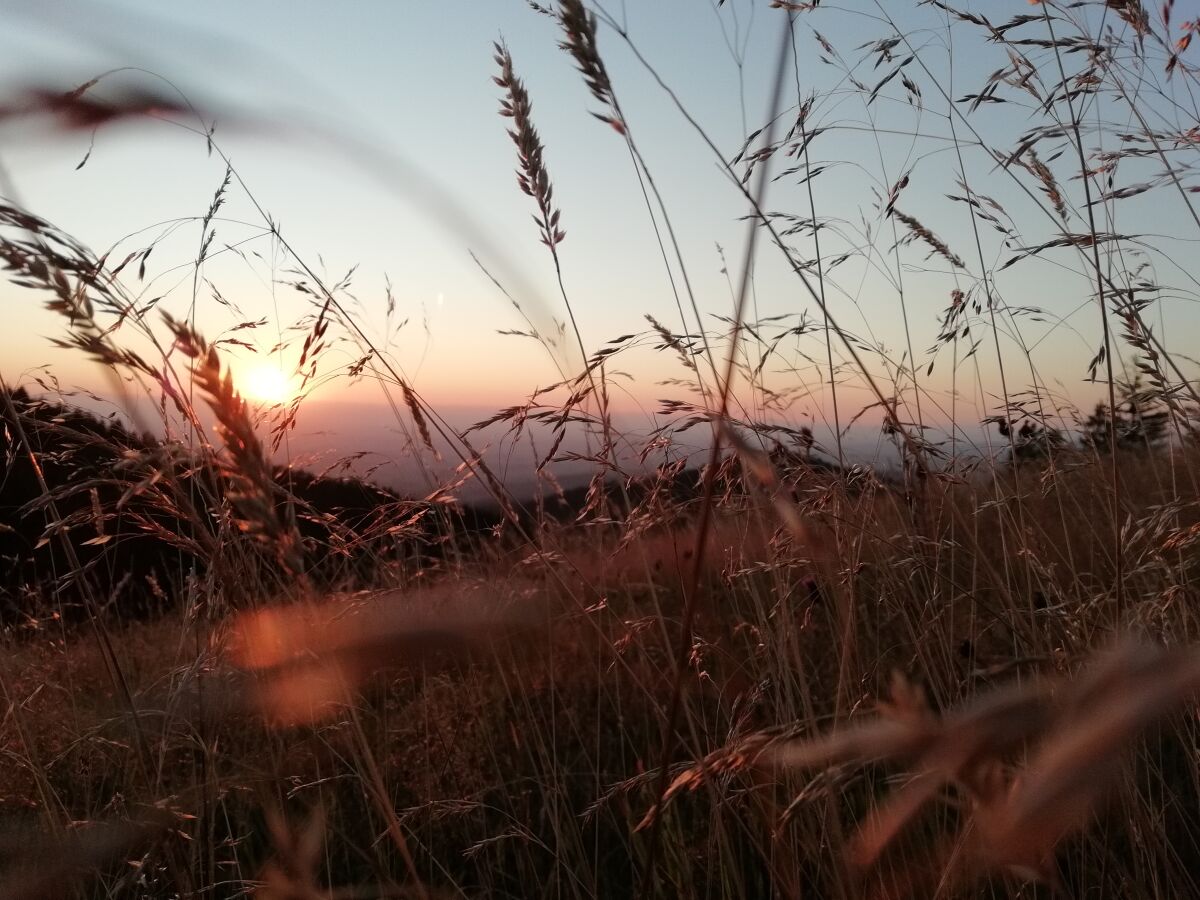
(266, 384)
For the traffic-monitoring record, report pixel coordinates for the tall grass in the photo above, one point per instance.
(767, 669)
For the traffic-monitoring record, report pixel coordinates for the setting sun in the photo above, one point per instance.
(266, 384)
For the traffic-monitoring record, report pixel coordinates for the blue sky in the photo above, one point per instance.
(341, 118)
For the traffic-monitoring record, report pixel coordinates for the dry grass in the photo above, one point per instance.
(972, 676)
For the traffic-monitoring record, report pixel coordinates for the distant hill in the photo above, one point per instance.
(137, 514)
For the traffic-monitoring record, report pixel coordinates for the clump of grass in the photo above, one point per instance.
(1071, 735)
(532, 177)
(937, 244)
(251, 480)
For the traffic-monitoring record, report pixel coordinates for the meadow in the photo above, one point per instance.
(741, 657)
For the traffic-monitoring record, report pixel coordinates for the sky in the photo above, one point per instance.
(369, 132)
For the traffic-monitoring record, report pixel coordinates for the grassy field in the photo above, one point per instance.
(517, 751)
(766, 669)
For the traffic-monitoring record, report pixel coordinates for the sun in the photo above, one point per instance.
(266, 384)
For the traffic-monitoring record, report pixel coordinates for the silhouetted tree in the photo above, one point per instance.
(1032, 441)
(1037, 441)
(1140, 423)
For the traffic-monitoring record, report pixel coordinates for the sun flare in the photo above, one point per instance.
(266, 384)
